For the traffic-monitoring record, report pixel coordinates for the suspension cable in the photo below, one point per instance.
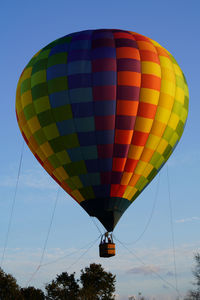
(94, 221)
(153, 271)
(12, 205)
(172, 229)
(150, 216)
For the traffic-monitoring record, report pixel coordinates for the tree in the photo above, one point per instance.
(9, 288)
(64, 287)
(97, 283)
(195, 294)
(31, 293)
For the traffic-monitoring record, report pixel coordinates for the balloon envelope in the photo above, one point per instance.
(102, 111)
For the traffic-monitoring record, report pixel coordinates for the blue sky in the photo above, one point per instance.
(26, 27)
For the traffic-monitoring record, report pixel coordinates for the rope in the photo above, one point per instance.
(172, 229)
(46, 240)
(154, 272)
(13, 205)
(151, 214)
(94, 221)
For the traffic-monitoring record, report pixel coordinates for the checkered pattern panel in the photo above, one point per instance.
(102, 111)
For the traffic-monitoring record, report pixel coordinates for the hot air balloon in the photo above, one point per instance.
(102, 111)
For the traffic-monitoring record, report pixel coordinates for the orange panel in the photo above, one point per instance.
(123, 136)
(118, 164)
(127, 108)
(129, 78)
(127, 52)
(151, 82)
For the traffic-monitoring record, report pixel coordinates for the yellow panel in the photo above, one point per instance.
(134, 179)
(126, 178)
(77, 195)
(140, 167)
(147, 170)
(168, 74)
(26, 98)
(180, 95)
(143, 124)
(27, 73)
(162, 146)
(158, 128)
(177, 70)
(166, 101)
(162, 115)
(34, 124)
(152, 142)
(149, 96)
(62, 173)
(135, 152)
(46, 148)
(184, 114)
(27, 131)
(165, 62)
(41, 155)
(129, 192)
(173, 121)
(168, 87)
(151, 68)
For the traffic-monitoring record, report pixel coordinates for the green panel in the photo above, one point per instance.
(70, 183)
(40, 65)
(59, 41)
(39, 90)
(45, 118)
(135, 196)
(186, 102)
(62, 113)
(31, 62)
(179, 82)
(57, 84)
(44, 54)
(59, 58)
(177, 108)
(51, 131)
(63, 157)
(152, 174)
(75, 168)
(76, 180)
(167, 150)
(54, 161)
(143, 182)
(29, 111)
(42, 104)
(156, 156)
(40, 137)
(64, 142)
(25, 85)
(168, 133)
(159, 162)
(38, 77)
(87, 192)
(180, 128)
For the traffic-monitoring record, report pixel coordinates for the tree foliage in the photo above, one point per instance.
(195, 294)
(31, 293)
(9, 288)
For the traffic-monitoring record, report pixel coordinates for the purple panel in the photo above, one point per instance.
(125, 122)
(120, 150)
(116, 177)
(128, 92)
(128, 64)
(126, 43)
(103, 43)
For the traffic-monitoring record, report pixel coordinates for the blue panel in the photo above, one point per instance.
(104, 108)
(80, 95)
(104, 78)
(87, 138)
(75, 154)
(56, 71)
(59, 99)
(102, 34)
(79, 81)
(79, 54)
(80, 44)
(82, 109)
(99, 165)
(103, 52)
(84, 124)
(66, 127)
(79, 67)
(59, 49)
(105, 137)
(102, 191)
